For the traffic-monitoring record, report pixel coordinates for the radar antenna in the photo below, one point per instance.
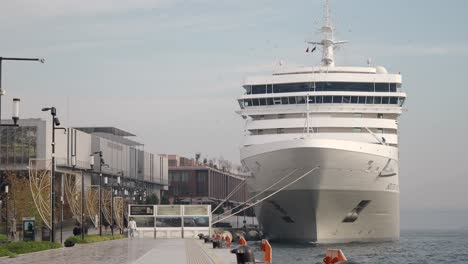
(328, 42)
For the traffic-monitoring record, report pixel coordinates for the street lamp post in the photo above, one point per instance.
(112, 201)
(6, 211)
(73, 161)
(101, 163)
(55, 124)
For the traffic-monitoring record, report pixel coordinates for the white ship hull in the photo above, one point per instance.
(352, 196)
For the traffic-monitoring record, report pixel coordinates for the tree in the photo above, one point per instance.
(152, 199)
(165, 200)
(20, 201)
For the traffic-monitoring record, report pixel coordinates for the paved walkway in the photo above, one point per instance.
(126, 251)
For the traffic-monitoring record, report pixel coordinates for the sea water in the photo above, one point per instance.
(413, 247)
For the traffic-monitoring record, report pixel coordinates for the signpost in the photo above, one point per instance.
(142, 210)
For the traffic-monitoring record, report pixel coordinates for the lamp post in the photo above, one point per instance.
(73, 161)
(101, 164)
(2, 91)
(112, 201)
(55, 126)
(6, 211)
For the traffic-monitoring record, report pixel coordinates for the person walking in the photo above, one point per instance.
(132, 226)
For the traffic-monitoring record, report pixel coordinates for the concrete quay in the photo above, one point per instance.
(131, 251)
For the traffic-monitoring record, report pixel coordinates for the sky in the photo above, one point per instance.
(170, 72)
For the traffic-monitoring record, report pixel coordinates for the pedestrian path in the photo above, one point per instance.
(131, 251)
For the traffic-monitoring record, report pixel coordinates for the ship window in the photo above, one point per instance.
(379, 115)
(259, 89)
(378, 100)
(260, 131)
(292, 100)
(300, 100)
(327, 99)
(380, 130)
(277, 100)
(385, 100)
(370, 100)
(354, 99)
(321, 86)
(393, 100)
(318, 99)
(248, 102)
(346, 99)
(262, 101)
(255, 102)
(337, 99)
(311, 99)
(280, 130)
(357, 130)
(284, 100)
(357, 115)
(382, 87)
(362, 99)
(269, 101)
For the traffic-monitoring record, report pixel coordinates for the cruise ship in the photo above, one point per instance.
(323, 141)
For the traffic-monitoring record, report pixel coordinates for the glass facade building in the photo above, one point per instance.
(193, 183)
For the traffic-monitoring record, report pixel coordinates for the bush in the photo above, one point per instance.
(11, 249)
(3, 237)
(69, 242)
(4, 252)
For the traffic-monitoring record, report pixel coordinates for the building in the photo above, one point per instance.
(122, 156)
(196, 183)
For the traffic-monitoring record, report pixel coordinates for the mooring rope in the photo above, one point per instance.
(263, 199)
(258, 194)
(229, 195)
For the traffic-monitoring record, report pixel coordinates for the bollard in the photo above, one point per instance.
(242, 241)
(244, 255)
(201, 236)
(267, 251)
(217, 243)
(334, 256)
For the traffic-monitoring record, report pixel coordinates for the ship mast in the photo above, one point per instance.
(328, 42)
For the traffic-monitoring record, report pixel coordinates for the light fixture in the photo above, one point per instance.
(6, 188)
(73, 160)
(106, 180)
(15, 115)
(118, 180)
(91, 160)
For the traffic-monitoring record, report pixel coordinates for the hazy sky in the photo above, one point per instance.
(170, 71)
